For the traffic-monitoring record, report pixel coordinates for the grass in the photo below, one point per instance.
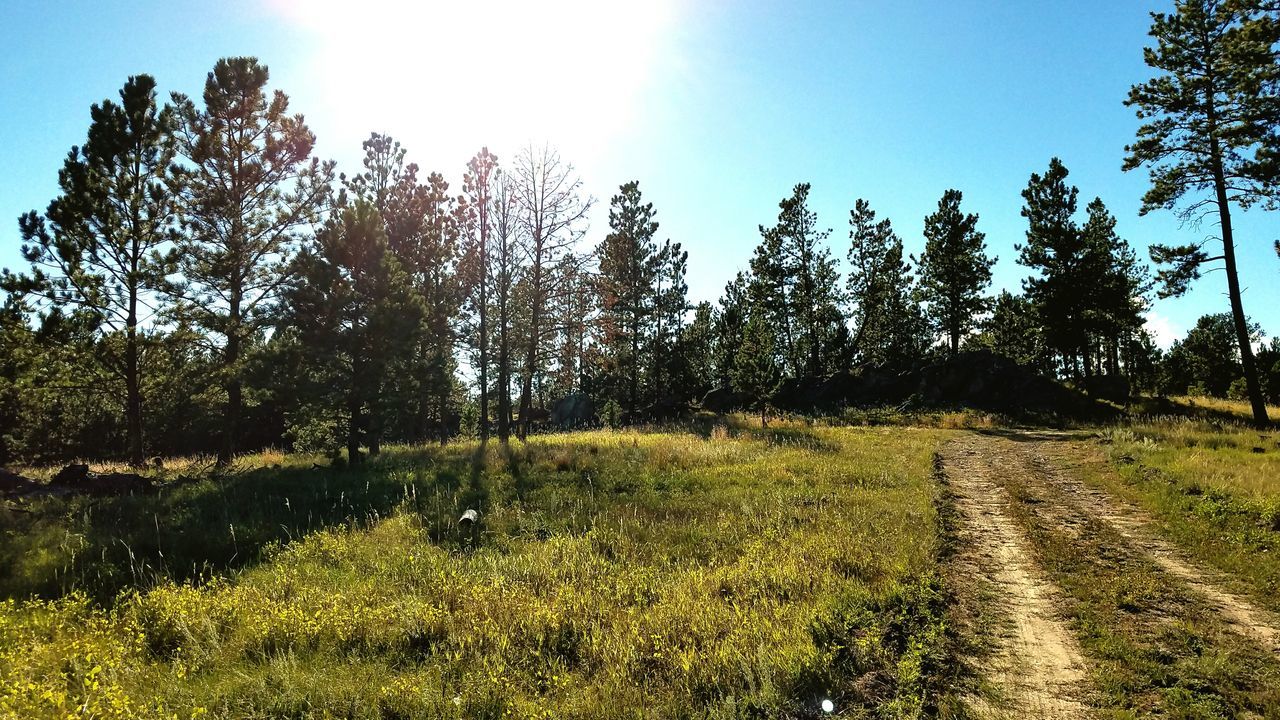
(1214, 487)
(748, 573)
(1154, 648)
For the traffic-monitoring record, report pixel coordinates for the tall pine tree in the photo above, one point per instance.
(955, 270)
(1208, 112)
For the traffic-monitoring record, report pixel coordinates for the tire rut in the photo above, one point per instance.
(1053, 457)
(1036, 665)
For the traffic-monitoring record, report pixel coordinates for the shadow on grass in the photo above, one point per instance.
(224, 522)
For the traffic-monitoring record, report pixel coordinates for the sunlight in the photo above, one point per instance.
(447, 77)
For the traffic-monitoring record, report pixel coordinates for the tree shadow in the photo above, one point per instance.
(192, 531)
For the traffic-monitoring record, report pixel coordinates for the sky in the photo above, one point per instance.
(718, 108)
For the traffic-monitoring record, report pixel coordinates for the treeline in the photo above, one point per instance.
(203, 283)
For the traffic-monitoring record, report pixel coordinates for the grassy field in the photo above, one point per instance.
(744, 573)
(1212, 481)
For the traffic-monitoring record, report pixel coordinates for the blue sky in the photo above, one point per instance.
(717, 108)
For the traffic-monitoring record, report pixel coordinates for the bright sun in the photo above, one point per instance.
(446, 77)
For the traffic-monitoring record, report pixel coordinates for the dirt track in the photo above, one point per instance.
(1036, 668)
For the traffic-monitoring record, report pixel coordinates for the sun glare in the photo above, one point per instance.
(448, 77)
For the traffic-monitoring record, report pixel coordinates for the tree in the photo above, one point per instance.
(547, 191)
(730, 326)
(250, 188)
(1114, 306)
(693, 370)
(505, 273)
(477, 203)
(891, 328)
(1013, 330)
(954, 270)
(796, 285)
(1207, 360)
(1056, 248)
(353, 309)
(670, 303)
(756, 374)
(625, 285)
(105, 244)
(1206, 114)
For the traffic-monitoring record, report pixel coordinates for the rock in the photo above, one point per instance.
(11, 483)
(79, 480)
(573, 411)
(71, 475)
(721, 400)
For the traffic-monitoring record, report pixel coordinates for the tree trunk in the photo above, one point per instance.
(132, 383)
(1233, 292)
(531, 355)
(231, 361)
(504, 377)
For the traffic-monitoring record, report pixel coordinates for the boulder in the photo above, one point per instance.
(573, 411)
(721, 400)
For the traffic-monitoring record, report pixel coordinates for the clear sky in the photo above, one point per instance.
(718, 108)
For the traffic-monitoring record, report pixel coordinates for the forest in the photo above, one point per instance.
(203, 284)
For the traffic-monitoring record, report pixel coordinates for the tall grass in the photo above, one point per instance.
(748, 573)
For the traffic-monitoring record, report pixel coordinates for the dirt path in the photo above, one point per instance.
(1036, 668)
(1054, 457)
(1036, 665)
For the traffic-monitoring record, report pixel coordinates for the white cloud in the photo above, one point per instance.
(1162, 329)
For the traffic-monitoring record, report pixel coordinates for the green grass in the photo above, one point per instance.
(1213, 486)
(1154, 648)
(748, 573)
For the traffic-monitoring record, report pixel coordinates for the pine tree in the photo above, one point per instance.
(1013, 330)
(354, 310)
(1207, 113)
(795, 282)
(670, 293)
(730, 326)
(105, 245)
(954, 270)
(891, 328)
(251, 187)
(625, 285)
(477, 201)
(1114, 306)
(756, 374)
(1056, 248)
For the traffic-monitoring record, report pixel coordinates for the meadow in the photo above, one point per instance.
(728, 572)
(1211, 480)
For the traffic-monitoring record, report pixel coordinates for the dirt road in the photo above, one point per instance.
(1035, 667)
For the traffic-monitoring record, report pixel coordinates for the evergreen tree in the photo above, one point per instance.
(625, 285)
(477, 201)
(1056, 249)
(954, 270)
(730, 326)
(669, 307)
(250, 188)
(1013, 330)
(1207, 360)
(693, 368)
(105, 245)
(891, 328)
(1116, 301)
(353, 310)
(795, 282)
(756, 374)
(1206, 115)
